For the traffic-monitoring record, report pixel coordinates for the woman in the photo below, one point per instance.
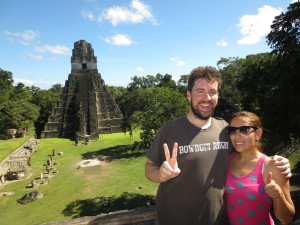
(253, 182)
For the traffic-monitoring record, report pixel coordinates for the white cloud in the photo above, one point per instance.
(119, 40)
(181, 63)
(24, 81)
(59, 50)
(222, 43)
(32, 56)
(174, 58)
(88, 15)
(178, 62)
(37, 83)
(122, 83)
(25, 37)
(254, 27)
(29, 35)
(140, 69)
(137, 12)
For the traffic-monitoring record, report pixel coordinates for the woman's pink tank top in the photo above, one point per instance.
(247, 202)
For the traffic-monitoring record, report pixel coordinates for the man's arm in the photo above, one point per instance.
(152, 172)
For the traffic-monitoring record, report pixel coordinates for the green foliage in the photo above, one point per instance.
(160, 105)
(6, 86)
(151, 101)
(152, 81)
(45, 100)
(20, 92)
(18, 114)
(230, 94)
(267, 85)
(117, 92)
(284, 37)
(16, 109)
(56, 88)
(167, 82)
(144, 82)
(182, 84)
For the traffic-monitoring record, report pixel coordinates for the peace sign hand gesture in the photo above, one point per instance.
(169, 169)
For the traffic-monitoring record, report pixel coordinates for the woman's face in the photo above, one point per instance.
(244, 138)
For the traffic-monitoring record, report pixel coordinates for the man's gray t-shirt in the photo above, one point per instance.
(196, 196)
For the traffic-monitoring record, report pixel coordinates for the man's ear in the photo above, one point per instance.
(188, 95)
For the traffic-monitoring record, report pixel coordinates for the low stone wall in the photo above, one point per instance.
(140, 216)
(19, 160)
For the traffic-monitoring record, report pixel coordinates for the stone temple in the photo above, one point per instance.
(85, 107)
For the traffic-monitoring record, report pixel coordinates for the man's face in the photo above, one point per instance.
(203, 98)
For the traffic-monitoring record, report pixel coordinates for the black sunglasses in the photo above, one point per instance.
(243, 130)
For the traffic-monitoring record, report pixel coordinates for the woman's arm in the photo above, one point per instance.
(278, 188)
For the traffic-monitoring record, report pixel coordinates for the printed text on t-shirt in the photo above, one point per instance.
(202, 147)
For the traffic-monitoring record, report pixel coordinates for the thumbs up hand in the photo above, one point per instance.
(271, 188)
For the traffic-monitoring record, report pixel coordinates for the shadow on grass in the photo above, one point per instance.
(116, 152)
(98, 205)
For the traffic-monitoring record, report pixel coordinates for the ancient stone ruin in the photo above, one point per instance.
(17, 164)
(85, 108)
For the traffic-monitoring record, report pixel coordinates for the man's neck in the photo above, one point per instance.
(197, 121)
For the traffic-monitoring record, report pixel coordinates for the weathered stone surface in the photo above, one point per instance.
(19, 161)
(30, 197)
(141, 216)
(85, 108)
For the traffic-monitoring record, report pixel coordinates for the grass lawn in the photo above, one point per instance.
(80, 191)
(8, 146)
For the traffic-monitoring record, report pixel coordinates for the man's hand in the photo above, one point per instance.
(283, 165)
(169, 169)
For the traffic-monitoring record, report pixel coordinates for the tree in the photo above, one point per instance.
(144, 82)
(167, 82)
(152, 81)
(266, 87)
(18, 114)
(45, 100)
(159, 105)
(56, 88)
(117, 92)
(230, 95)
(182, 84)
(20, 92)
(284, 37)
(6, 86)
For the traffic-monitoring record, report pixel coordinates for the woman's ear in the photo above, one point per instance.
(258, 134)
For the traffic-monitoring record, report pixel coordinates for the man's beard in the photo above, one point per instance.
(201, 115)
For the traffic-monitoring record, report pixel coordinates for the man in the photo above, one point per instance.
(193, 174)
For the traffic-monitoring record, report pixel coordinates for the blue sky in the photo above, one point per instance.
(129, 37)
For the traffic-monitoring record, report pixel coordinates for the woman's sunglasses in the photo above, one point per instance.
(243, 130)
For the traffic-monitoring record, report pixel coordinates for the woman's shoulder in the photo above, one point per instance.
(269, 166)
